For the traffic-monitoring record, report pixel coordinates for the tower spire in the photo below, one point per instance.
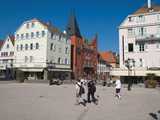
(72, 27)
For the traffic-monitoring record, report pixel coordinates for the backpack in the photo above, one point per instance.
(81, 90)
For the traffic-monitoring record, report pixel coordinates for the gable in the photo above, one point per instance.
(7, 44)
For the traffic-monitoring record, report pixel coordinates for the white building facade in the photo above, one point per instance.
(41, 51)
(139, 41)
(7, 58)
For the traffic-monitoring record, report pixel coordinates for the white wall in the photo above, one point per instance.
(151, 54)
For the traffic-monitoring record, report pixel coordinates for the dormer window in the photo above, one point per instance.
(27, 25)
(130, 19)
(141, 18)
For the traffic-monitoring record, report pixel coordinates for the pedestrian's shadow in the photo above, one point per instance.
(155, 116)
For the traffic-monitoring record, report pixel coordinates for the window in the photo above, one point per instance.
(33, 24)
(17, 36)
(66, 51)
(26, 46)
(43, 33)
(51, 47)
(54, 48)
(130, 19)
(141, 62)
(59, 60)
(17, 47)
(27, 35)
(141, 18)
(37, 45)
(32, 35)
(25, 59)
(11, 53)
(141, 47)
(27, 25)
(37, 34)
(1, 53)
(31, 46)
(21, 47)
(31, 58)
(130, 32)
(22, 36)
(142, 31)
(66, 61)
(130, 47)
(7, 45)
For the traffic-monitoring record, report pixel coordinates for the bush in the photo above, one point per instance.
(150, 83)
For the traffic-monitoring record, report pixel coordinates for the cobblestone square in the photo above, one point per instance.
(39, 101)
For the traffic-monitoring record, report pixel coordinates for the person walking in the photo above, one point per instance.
(80, 93)
(91, 91)
(77, 91)
(118, 88)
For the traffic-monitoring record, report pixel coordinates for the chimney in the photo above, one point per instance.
(149, 4)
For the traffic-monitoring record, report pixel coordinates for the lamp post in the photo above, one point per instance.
(129, 63)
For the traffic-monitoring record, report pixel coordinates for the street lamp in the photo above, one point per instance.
(129, 63)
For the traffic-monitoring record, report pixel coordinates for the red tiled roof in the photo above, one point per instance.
(108, 57)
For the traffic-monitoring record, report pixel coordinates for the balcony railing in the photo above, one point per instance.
(148, 38)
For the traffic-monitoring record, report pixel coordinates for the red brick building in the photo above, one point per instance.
(83, 52)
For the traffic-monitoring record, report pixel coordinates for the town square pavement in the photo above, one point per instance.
(30, 101)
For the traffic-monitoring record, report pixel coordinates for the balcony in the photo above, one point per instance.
(152, 38)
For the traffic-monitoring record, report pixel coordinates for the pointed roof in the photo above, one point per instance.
(72, 27)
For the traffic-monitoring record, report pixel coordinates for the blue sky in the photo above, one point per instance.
(94, 16)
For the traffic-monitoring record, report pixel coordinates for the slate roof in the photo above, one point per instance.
(72, 27)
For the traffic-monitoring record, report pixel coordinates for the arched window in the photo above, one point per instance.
(37, 45)
(59, 60)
